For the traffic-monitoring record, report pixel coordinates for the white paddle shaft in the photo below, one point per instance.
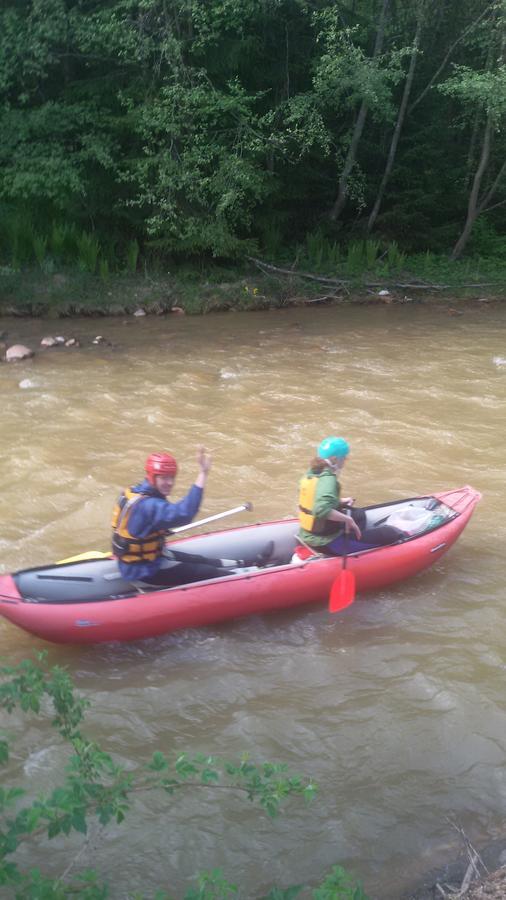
(228, 512)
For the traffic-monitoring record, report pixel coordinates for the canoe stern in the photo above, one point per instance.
(9, 593)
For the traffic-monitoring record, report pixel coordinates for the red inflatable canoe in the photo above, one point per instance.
(88, 601)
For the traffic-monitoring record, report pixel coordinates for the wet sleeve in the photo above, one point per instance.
(327, 497)
(153, 514)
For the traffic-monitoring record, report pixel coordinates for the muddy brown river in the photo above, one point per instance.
(396, 707)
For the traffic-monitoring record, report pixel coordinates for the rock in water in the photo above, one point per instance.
(18, 351)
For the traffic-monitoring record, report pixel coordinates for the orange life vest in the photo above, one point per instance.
(125, 546)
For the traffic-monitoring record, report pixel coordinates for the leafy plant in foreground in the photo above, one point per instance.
(96, 789)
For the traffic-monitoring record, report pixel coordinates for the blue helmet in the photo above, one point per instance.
(333, 446)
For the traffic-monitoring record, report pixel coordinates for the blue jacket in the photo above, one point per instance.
(155, 513)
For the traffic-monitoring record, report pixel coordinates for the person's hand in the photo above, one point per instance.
(203, 460)
(348, 501)
(351, 525)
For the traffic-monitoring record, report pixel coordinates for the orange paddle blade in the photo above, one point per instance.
(342, 592)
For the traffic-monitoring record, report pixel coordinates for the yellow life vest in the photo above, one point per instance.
(125, 546)
(307, 494)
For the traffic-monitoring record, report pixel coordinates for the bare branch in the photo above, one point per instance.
(268, 269)
(490, 193)
(445, 60)
(489, 208)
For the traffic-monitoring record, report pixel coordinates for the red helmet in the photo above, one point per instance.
(160, 464)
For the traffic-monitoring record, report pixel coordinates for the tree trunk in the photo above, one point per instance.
(471, 155)
(473, 206)
(349, 163)
(476, 206)
(351, 156)
(398, 127)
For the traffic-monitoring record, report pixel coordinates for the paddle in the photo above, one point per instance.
(244, 507)
(342, 592)
(99, 554)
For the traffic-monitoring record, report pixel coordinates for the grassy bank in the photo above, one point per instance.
(321, 274)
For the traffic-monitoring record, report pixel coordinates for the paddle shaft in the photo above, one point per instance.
(228, 512)
(346, 536)
(98, 554)
(303, 543)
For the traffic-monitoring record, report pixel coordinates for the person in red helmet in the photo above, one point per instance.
(142, 518)
(160, 464)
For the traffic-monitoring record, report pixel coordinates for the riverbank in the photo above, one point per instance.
(254, 287)
(474, 875)
(491, 888)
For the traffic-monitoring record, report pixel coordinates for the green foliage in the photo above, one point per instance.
(63, 242)
(438, 269)
(321, 252)
(47, 153)
(485, 90)
(345, 73)
(355, 258)
(198, 197)
(360, 258)
(362, 261)
(280, 894)
(487, 241)
(96, 788)
(40, 248)
(211, 886)
(88, 249)
(18, 240)
(132, 255)
(371, 251)
(103, 269)
(152, 131)
(271, 239)
(339, 885)
(395, 259)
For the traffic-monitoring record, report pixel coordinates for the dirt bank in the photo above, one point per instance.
(58, 295)
(475, 875)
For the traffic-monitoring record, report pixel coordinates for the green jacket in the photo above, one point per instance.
(327, 497)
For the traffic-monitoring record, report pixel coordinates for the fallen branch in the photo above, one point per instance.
(473, 869)
(321, 299)
(269, 268)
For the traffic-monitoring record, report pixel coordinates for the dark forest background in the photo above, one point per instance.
(154, 131)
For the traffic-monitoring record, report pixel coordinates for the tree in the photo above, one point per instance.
(420, 15)
(484, 91)
(364, 75)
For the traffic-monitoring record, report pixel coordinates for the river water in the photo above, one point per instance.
(396, 706)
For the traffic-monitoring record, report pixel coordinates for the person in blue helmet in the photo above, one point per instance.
(329, 523)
